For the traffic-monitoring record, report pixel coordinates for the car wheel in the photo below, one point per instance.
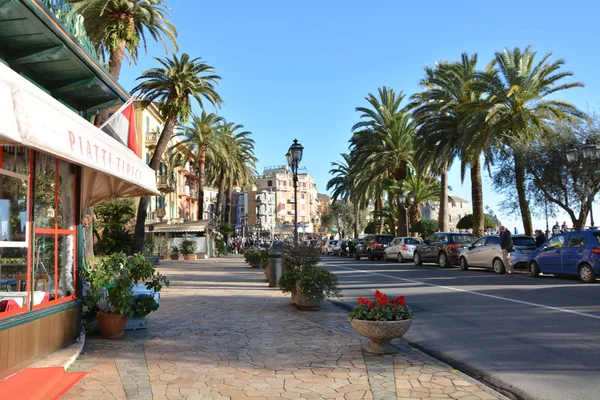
(417, 259)
(385, 257)
(443, 260)
(400, 258)
(463, 264)
(371, 256)
(498, 266)
(587, 274)
(534, 269)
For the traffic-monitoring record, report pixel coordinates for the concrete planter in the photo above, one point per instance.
(307, 303)
(380, 333)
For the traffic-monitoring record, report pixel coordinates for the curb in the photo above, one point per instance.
(495, 388)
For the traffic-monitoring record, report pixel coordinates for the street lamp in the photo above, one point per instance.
(411, 201)
(589, 152)
(293, 157)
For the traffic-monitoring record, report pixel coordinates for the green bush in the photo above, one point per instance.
(301, 272)
(466, 222)
(145, 304)
(425, 227)
(188, 247)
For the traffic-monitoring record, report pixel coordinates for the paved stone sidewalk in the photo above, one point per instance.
(221, 333)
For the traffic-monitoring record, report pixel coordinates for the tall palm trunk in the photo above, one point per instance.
(116, 61)
(219, 210)
(228, 200)
(381, 218)
(201, 179)
(161, 146)
(400, 211)
(523, 202)
(477, 197)
(356, 220)
(443, 213)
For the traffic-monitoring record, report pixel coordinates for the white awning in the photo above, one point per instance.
(192, 226)
(32, 118)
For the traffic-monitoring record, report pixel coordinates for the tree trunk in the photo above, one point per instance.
(381, 219)
(201, 179)
(228, 200)
(114, 68)
(443, 213)
(356, 220)
(89, 233)
(523, 202)
(161, 146)
(477, 197)
(219, 208)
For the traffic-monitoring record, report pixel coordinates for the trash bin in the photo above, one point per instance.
(275, 269)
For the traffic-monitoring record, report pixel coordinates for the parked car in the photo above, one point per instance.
(443, 248)
(402, 249)
(340, 248)
(328, 247)
(486, 253)
(571, 253)
(373, 246)
(353, 245)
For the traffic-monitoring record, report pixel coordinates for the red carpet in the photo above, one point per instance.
(39, 384)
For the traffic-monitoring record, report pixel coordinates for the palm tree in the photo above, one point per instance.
(342, 184)
(382, 145)
(518, 90)
(424, 188)
(198, 139)
(447, 120)
(172, 87)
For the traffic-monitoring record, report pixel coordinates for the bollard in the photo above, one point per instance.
(275, 266)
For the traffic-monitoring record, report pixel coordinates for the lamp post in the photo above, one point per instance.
(590, 152)
(411, 201)
(293, 157)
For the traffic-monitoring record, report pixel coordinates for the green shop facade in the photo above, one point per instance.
(53, 164)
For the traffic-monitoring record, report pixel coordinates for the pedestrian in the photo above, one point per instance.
(557, 227)
(540, 238)
(516, 230)
(507, 246)
(564, 227)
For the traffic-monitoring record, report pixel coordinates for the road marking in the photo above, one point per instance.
(491, 296)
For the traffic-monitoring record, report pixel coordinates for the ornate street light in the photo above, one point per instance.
(579, 158)
(411, 201)
(293, 157)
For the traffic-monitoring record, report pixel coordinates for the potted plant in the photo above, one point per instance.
(188, 249)
(162, 249)
(252, 257)
(111, 293)
(381, 321)
(308, 283)
(174, 252)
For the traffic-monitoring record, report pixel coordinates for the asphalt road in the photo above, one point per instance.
(531, 338)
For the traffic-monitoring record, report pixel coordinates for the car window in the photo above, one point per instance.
(479, 243)
(492, 240)
(413, 241)
(524, 241)
(384, 239)
(439, 237)
(464, 238)
(557, 241)
(576, 240)
(597, 236)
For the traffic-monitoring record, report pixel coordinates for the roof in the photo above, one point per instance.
(193, 226)
(459, 199)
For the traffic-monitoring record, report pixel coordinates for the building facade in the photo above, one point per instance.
(457, 208)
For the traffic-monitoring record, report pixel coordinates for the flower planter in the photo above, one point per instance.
(189, 257)
(175, 258)
(111, 325)
(307, 303)
(161, 257)
(380, 333)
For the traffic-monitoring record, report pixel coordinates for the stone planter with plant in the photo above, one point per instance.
(381, 321)
(308, 283)
(252, 257)
(188, 249)
(174, 252)
(110, 291)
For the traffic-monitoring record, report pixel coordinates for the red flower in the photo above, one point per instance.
(368, 303)
(383, 299)
(362, 300)
(378, 294)
(401, 301)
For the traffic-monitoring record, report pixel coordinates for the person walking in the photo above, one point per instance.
(540, 238)
(506, 244)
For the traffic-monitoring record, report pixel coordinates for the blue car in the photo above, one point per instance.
(570, 253)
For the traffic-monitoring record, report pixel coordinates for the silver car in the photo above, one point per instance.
(328, 247)
(402, 249)
(486, 253)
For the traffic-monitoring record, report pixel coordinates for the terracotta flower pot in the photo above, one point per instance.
(173, 257)
(189, 257)
(380, 333)
(111, 325)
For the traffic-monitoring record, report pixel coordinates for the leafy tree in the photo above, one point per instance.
(519, 91)
(466, 222)
(172, 86)
(339, 215)
(425, 227)
(372, 227)
(112, 219)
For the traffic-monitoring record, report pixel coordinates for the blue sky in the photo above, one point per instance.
(298, 69)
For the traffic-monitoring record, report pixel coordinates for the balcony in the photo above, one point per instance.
(193, 193)
(151, 218)
(152, 137)
(165, 184)
(183, 190)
